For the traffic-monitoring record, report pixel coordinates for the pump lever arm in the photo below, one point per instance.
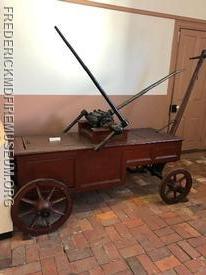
(77, 119)
(123, 121)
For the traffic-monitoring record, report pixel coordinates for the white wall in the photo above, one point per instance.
(125, 51)
(188, 8)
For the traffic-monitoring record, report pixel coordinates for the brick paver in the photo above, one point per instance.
(49, 266)
(168, 263)
(178, 252)
(123, 230)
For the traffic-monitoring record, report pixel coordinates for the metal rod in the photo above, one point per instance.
(200, 56)
(128, 101)
(113, 107)
(77, 119)
(188, 92)
(104, 141)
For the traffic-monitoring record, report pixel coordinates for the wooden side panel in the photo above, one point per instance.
(165, 152)
(140, 155)
(152, 153)
(60, 166)
(100, 169)
(86, 169)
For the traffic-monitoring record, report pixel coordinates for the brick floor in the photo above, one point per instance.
(124, 230)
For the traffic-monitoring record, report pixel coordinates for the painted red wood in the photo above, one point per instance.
(74, 161)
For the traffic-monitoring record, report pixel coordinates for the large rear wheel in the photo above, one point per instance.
(41, 206)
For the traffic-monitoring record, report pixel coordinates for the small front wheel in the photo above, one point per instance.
(176, 186)
(41, 206)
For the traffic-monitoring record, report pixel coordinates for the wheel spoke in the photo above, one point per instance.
(51, 193)
(28, 201)
(36, 217)
(57, 211)
(59, 200)
(47, 222)
(26, 213)
(181, 179)
(39, 193)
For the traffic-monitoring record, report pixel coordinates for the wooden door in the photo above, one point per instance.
(193, 125)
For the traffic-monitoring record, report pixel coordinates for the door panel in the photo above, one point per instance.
(191, 44)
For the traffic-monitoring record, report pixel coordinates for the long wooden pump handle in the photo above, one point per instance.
(123, 121)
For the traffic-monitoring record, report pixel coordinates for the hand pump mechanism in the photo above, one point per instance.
(104, 119)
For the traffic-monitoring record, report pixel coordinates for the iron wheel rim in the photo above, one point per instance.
(176, 186)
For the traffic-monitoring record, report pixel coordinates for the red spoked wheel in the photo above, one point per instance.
(41, 206)
(176, 186)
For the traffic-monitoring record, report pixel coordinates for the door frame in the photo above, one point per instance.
(179, 24)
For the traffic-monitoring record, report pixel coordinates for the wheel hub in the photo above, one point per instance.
(45, 213)
(173, 185)
(43, 208)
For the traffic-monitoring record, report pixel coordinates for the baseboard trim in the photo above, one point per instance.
(191, 151)
(6, 235)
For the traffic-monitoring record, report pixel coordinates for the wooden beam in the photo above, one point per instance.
(133, 10)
